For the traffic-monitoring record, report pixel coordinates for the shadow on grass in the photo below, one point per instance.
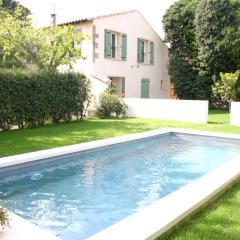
(218, 111)
(217, 116)
(219, 123)
(27, 140)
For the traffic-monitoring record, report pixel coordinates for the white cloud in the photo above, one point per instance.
(68, 10)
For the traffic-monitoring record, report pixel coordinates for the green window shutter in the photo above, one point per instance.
(145, 88)
(124, 47)
(123, 87)
(107, 43)
(139, 50)
(151, 53)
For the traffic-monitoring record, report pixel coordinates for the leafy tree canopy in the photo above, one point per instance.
(227, 89)
(12, 5)
(43, 48)
(212, 18)
(204, 36)
(180, 33)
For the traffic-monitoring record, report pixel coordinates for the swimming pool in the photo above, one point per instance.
(78, 195)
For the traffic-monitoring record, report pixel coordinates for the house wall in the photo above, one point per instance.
(135, 26)
(97, 87)
(85, 65)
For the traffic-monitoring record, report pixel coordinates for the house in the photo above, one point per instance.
(125, 48)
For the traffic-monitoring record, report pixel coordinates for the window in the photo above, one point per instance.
(145, 52)
(161, 86)
(141, 51)
(78, 30)
(77, 44)
(115, 45)
(151, 53)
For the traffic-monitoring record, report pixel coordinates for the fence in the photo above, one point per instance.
(167, 109)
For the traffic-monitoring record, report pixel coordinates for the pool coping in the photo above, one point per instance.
(23, 229)
(153, 220)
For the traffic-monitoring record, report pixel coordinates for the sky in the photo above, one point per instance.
(68, 10)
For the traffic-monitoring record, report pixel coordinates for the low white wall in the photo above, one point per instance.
(166, 109)
(235, 114)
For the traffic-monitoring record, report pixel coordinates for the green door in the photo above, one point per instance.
(145, 88)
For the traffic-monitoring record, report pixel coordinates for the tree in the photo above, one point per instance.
(227, 89)
(230, 45)
(12, 5)
(204, 37)
(43, 48)
(180, 33)
(212, 18)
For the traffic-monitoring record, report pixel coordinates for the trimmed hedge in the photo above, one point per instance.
(33, 98)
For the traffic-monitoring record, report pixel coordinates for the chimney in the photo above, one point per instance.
(53, 19)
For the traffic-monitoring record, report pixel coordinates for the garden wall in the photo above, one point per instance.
(235, 114)
(166, 109)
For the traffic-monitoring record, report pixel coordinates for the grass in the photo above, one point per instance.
(220, 221)
(28, 140)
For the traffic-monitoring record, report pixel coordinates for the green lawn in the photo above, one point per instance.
(220, 221)
(27, 140)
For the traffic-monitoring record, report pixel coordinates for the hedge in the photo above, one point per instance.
(34, 98)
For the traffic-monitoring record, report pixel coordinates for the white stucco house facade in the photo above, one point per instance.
(125, 48)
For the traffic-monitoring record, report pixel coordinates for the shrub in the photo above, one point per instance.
(33, 98)
(110, 106)
(227, 89)
(4, 219)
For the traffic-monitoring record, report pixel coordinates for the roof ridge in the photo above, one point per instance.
(96, 17)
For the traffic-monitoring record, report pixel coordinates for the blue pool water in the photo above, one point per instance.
(76, 196)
